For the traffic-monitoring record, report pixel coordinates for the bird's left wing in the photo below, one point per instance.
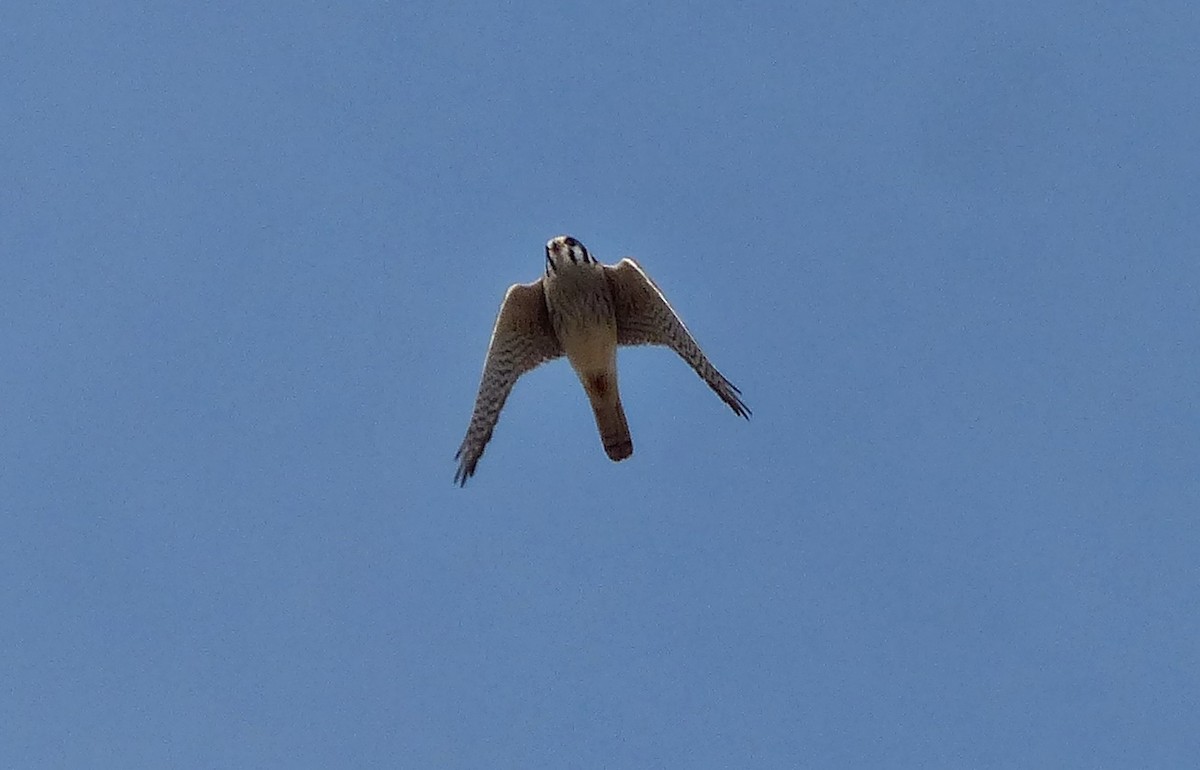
(644, 317)
(521, 340)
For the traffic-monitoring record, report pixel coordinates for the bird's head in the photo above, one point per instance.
(565, 250)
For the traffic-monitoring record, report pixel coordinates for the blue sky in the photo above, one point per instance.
(253, 256)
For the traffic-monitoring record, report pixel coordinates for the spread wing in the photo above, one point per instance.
(644, 317)
(521, 340)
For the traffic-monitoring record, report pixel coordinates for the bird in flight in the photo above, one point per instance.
(583, 310)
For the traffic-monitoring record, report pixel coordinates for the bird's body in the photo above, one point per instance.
(583, 310)
(584, 319)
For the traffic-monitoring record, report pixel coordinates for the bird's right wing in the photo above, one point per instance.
(644, 317)
(521, 340)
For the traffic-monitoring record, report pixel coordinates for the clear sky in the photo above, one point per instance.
(252, 254)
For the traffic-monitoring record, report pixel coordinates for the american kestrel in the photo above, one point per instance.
(583, 310)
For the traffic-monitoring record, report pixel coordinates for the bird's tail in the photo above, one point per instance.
(610, 417)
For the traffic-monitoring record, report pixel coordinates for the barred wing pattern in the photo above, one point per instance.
(521, 340)
(644, 317)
